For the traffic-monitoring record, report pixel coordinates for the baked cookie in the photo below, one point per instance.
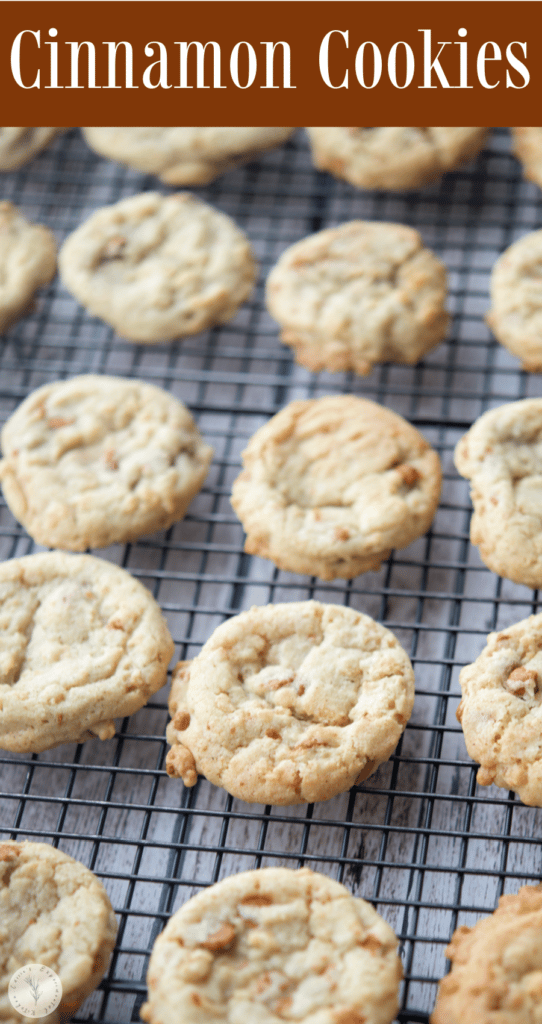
(290, 703)
(82, 642)
(159, 267)
(272, 945)
(19, 145)
(27, 261)
(501, 455)
(184, 156)
(501, 710)
(55, 912)
(496, 966)
(527, 146)
(331, 485)
(359, 294)
(515, 316)
(393, 158)
(95, 460)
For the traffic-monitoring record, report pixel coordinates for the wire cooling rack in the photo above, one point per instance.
(419, 839)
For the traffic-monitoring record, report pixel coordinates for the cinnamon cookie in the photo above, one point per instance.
(527, 146)
(82, 643)
(270, 945)
(27, 262)
(359, 294)
(501, 455)
(515, 316)
(290, 703)
(95, 460)
(331, 485)
(54, 912)
(394, 158)
(184, 156)
(18, 145)
(159, 267)
(501, 710)
(496, 966)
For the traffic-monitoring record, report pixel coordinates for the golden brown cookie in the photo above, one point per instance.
(27, 262)
(274, 945)
(501, 709)
(359, 294)
(159, 267)
(19, 145)
(527, 146)
(496, 975)
(515, 316)
(501, 455)
(54, 912)
(81, 643)
(97, 460)
(184, 156)
(393, 158)
(290, 703)
(331, 485)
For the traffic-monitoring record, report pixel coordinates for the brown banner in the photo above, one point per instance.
(275, 61)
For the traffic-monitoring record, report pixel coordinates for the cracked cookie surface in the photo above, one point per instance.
(27, 262)
(515, 316)
(18, 145)
(496, 966)
(274, 945)
(53, 911)
(394, 158)
(501, 710)
(159, 267)
(359, 294)
(290, 703)
(331, 485)
(81, 643)
(96, 460)
(184, 156)
(501, 455)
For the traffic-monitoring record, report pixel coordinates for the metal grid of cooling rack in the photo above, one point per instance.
(419, 839)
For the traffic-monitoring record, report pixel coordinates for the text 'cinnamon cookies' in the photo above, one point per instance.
(290, 703)
(55, 912)
(331, 485)
(270, 945)
(96, 460)
(159, 267)
(359, 294)
(501, 710)
(501, 455)
(81, 643)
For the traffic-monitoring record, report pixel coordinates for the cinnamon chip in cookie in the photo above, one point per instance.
(290, 703)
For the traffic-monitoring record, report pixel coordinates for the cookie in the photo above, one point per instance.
(184, 156)
(81, 643)
(96, 460)
(290, 703)
(501, 710)
(27, 262)
(515, 316)
(501, 455)
(55, 912)
(527, 146)
(331, 485)
(272, 945)
(496, 966)
(359, 294)
(158, 267)
(393, 158)
(19, 145)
